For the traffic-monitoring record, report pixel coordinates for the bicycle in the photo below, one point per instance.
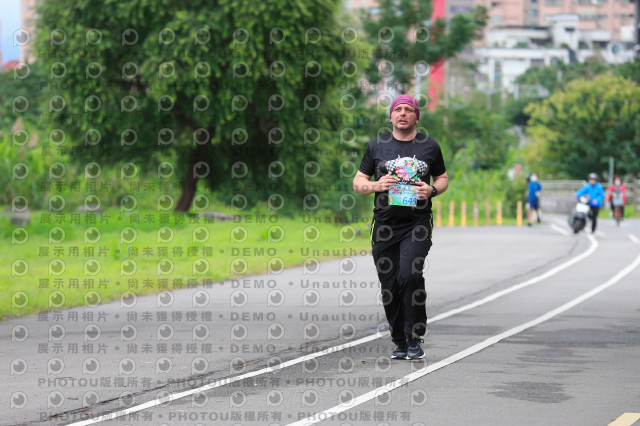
(617, 207)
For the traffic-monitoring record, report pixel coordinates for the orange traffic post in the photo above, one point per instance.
(499, 214)
(452, 206)
(476, 213)
(487, 208)
(463, 214)
(519, 213)
(438, 213)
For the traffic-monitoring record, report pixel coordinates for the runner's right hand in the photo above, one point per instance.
(386, 182)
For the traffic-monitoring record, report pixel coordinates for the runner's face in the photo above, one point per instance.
(403, 117)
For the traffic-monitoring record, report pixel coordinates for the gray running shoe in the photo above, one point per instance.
(400, 352)
(414, 351)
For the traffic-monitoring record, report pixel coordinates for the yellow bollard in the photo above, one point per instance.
(476, 213)
(438, 214)
(452, 205)
(499, 214)
(463, 212)
(487, 208)
(519, 213)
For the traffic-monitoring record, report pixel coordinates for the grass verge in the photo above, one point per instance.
(65, 260)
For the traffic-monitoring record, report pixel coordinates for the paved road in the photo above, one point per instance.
(527, 326)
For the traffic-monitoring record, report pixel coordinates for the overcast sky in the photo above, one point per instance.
(9, 23)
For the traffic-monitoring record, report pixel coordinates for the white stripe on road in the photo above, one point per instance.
(634, 238)
(228, 380)
(559, 222)
(222, 382)
(465, 353)
(559, 229)
(549, 273)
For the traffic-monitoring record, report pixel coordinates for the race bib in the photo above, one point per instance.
(403, 195)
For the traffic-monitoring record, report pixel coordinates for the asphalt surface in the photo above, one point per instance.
(503, 346)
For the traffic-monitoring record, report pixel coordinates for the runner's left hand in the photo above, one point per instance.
(423, 191)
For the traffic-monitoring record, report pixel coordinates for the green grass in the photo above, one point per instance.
(628, 213)
(90, 240)
(254, 247)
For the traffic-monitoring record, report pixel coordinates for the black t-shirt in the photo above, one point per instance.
(385, 148)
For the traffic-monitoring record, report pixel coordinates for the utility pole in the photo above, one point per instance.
(611, 167)
(489, 93)
(445, 119)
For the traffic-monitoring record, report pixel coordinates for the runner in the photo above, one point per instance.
(402, 163)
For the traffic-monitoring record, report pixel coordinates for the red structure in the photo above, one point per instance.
(436, 77)
(9, 65)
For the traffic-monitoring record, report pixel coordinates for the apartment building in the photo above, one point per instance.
(603, 16)
(28, 13)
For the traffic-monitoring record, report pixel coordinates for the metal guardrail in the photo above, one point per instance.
(557, 195)
(561, 186)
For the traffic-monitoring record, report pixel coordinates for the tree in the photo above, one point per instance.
(225, 86)
(403, 33)
(558, 75)
(475, 137)
(629, 70)
(575, 131)
(552, 77)
(20, 91)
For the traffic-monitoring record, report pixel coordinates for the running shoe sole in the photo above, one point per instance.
(417, 357)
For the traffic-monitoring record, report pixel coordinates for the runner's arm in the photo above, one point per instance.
(362, 184)
(441, 182)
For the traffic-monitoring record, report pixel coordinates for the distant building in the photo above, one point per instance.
(604, 15)
(9, 65)
(28, 13)
(0, 44)
(512, 50)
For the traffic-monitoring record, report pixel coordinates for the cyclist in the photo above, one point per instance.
(619, 190)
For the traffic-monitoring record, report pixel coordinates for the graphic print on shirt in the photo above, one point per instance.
(407, 172)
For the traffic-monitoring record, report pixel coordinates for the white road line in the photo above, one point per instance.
(559, 229)
(465, 353)
(229, 380)
(634, 238)
(559, 222)
(494, 296)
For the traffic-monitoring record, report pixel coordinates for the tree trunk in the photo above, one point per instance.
(190, 183)
(188, 192)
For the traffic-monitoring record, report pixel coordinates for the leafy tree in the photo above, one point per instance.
(629, 70)
(552, 77)
(575, 131)
(228, 87)
(20, 91)
(558, 75)
(403, 34)
(475, 138)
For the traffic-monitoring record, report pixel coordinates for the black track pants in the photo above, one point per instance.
(593, 215)
(399, 266)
